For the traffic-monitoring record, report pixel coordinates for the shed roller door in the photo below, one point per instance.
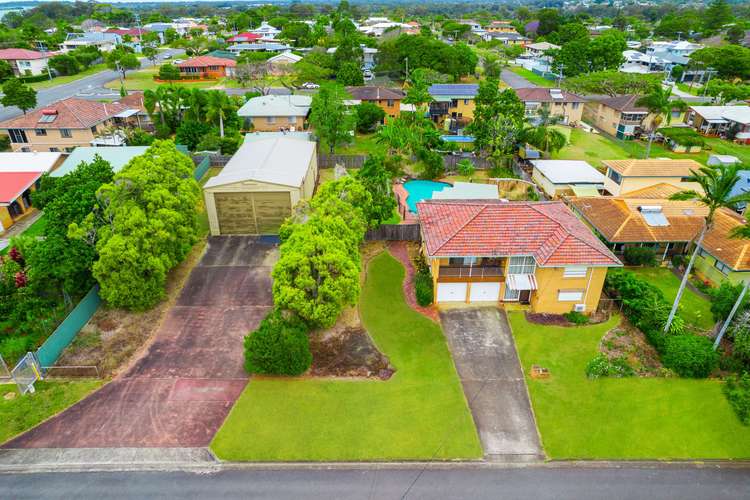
(451, 292)
(252, 213)
(484, 292)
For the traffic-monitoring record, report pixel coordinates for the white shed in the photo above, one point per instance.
(558, 177)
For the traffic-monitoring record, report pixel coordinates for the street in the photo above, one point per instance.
(567, 481)
(515, 81)
(88, 87)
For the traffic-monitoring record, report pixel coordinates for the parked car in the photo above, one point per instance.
(167, 56)
(367, 75)
(177, 61)
(310, 85)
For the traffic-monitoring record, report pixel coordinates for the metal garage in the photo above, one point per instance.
(260, 184)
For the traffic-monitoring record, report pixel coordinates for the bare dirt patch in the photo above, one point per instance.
(112, 336)
(627, 341)
(560, 320)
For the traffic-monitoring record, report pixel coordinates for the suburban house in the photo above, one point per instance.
(279, 63)
(501, 27)
(138, 114)
(539, 49)
(624, 176)
(719, 120)
(245, 37)
(265, 30)
(271, 113)
(722, 257)
(506, 38)
(63, 125)
(133, 34)
(536, 254)
(19, 176)
(207, 68)
(106, 42)
(568, 107)
(454, 101)
(618, 116)
(389, 100)
(239, 48)
(257, 190)
(116, 157)
(565, 177)
(638, 62)
(368, 55)
(26, 62)
(643, 218)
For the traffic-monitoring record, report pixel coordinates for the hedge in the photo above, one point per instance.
(280, 346)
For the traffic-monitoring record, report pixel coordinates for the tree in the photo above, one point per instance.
(121, 60)
(717, 15)
(64, 64)
(138, 137)
(279, 346)
(169, 72)
(611, 83)
(545, 137)
(369, 115)
(190, 133)
(330, 117)
(498, 119)
(492, 66)
(150, 53)
(218, 107)
(584, 55)
(6, 71)
(735, 34)
(717, 184)
(350, 74)
(730, 61)
(549, 20)
(19, 95)
(658, 102)
(377, 181)
(418, 92)
(144, 224)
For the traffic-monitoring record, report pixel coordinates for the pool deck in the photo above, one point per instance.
(407, 217)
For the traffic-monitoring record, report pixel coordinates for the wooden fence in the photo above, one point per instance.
(348, 161)
(395, 232)
(450, 162)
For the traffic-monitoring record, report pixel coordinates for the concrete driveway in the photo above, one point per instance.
(515, 81)
(485, 355)
(181, 390)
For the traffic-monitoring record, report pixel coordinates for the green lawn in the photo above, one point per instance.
(144, 80)
(694, 309)
(632, 418)
(532, 77)
(420, 413)
(60, 80)
(363, 144)
(24, 412)
(714, 145)
(592, 148)
(37, 228)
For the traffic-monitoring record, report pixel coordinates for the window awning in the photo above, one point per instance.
(521, 282)
(584, 190)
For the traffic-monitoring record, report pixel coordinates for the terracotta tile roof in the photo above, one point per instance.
(735, 252)
(541, 94)
(244, 37)
(22, 54)
(653, 167)
(619, 219)
(71, 113)
(546, 230)
(623, 103)
(133, 100)
(203, 61)
(374, 93)
(660, 191)
(13, 184)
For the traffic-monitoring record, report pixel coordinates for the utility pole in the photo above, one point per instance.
(406, 60)
(43, 50)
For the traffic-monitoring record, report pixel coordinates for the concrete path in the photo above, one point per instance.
(485, 355)
(179, 393)
(515, 81)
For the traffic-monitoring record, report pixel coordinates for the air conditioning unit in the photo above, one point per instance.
(579, 308)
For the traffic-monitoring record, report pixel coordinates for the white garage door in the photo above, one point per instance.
(484, 292)
(451, 292)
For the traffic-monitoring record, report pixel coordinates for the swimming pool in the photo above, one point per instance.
(421, 190)
(457, 138)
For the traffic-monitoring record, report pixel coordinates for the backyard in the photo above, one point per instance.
(714, 145)
(694, 309)
(419, 414)
(532, 77)
(627, 418)
(592, 148)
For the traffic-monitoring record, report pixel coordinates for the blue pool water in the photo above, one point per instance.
(457, 138)
(421, 190)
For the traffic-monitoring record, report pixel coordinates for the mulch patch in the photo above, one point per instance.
(405, 252)
(348, 353)
(629, 342)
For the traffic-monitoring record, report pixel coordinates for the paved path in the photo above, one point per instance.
(482, 347)
(493, 484)
(515, 81)
(181, 390)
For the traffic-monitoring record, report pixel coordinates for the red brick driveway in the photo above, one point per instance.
(181, 390)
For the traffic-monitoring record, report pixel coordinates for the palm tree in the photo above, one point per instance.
(217, 107)
(717, 184)
(544, 137)
(658, 103)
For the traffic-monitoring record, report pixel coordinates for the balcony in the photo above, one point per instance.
(470, 273)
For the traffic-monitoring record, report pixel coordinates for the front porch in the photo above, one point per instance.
(477, 279)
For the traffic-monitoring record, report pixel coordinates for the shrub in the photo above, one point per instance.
(369, 115)
(432, 164)
(678, 260)
(737, 392)
(190, 133)
(639, 256)
(162, 131)
(423, 288)
(4, 143)
(169, 72)
(690, 355)
(683, 136)
(723, 299)
(602, 366)
(279, 346)
(576, 318)
(465, 167)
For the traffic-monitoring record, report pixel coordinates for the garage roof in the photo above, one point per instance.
(278, 160)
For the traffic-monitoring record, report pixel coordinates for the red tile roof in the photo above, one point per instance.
(245, 37)
(127, 31)
(203, 61)
(13, 184)
(22, 54)
(548, 231)
(71, 113)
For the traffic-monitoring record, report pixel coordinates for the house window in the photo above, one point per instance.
(69, 150)
(702, 252)
(292, 119)
(54, 150)
(723, 268)
(576, 104)
(616, 177)
(271, 119)
(521, 265)
(40, 132)
(569, 295)
(25, 150)
(575, 272)
(462, 261)
(390, 102)
(466, 101)
(17, 135)
(93, 129)
(511, 295)
(66, 133)
(454, 103)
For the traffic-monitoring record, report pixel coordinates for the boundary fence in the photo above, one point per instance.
(395, 232)
(348, 161)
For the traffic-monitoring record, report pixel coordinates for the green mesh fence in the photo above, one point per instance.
(202, 168)
(69, 328)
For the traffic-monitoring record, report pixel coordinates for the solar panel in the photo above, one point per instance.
(47, 118)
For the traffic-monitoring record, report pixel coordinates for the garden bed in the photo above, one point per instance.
(348, 352)
(628, 342)
(561, 320)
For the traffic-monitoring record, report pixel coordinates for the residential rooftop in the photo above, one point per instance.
(276, 105)
(653, 167)
(70, 113)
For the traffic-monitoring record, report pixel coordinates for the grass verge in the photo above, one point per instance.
(631, 418)
(62, 80)
(419, 414)
(51, 397)
(532, 77)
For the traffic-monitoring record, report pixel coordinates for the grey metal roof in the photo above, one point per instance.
(276, 105)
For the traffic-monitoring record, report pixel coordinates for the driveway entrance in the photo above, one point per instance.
(181, 390)
(482, 347)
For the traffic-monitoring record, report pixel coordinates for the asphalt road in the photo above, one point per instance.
(523, 483)
(88, 87)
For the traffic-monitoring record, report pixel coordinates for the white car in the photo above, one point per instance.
(177, 61)
(167, 56)
(310, 85)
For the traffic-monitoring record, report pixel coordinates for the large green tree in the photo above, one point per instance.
(498, 119)
(15, 93)
(332, 120)
(377, 181)
(121, 61)
(611, 83)
(717, 15)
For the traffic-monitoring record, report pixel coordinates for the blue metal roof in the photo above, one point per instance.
(454, 89)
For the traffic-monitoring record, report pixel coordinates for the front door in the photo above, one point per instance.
(524, 296)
